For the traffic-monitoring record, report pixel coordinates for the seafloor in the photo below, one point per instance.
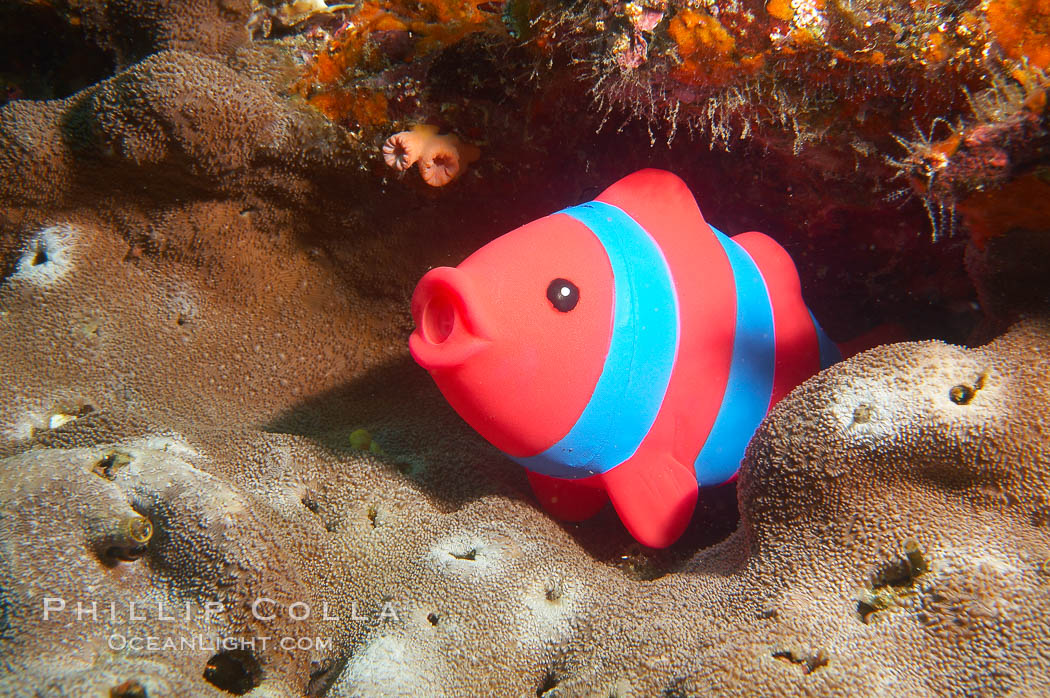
(223, 473)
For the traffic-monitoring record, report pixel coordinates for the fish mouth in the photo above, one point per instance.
(450, 327)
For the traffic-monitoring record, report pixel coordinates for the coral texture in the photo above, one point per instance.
(174, 114)
(892, 508)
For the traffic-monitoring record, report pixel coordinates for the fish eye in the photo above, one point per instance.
(563, 295)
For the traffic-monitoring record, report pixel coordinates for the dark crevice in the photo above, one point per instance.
(108, 466)
(45, 54)
(234, 671)
(549, 683)
(807, 662)
(322, 678)
(963, 394)
(471, 555)
(40, 255)
(893, 582)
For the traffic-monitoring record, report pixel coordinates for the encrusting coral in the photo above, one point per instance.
(892, 508)
(440, 157)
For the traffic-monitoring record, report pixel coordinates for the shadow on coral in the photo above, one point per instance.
(433, 448)
(426, 442)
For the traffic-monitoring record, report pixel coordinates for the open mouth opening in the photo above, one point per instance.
(439, 317)
(449, 330)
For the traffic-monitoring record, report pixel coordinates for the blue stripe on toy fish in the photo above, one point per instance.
(641, 356)
(750, 385)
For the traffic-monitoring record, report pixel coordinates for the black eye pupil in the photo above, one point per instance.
(563, 294)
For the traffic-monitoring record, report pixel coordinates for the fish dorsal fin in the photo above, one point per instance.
(659, 200)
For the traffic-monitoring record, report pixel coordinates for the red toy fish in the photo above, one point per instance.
(621, 349)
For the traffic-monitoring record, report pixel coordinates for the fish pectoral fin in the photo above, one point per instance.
(568, 500)
(654, 495)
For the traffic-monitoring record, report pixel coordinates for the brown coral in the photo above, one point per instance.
(170, 116)
(858, 563)
(135, 29)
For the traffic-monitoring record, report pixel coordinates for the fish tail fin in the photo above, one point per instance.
(654, 495)
(568, 500)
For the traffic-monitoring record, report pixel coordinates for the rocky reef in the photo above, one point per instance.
(224, 475)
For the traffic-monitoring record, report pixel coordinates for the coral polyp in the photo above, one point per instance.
(440, 157)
